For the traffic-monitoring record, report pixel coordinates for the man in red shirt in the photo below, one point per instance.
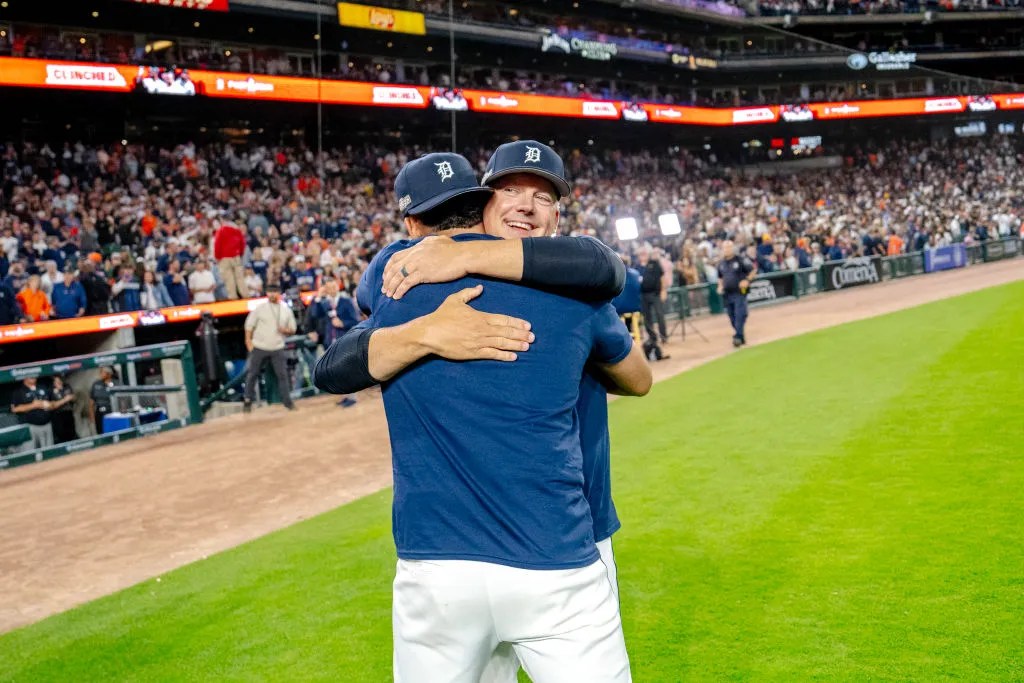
(228, 247)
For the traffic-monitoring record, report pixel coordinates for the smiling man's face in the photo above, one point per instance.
(523, 205)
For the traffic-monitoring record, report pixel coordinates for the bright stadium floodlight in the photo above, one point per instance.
(626, 229)
(669, 223)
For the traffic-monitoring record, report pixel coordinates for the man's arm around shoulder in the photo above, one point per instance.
(579, 267)
(621, 361)
(629, 377)
(366, 355)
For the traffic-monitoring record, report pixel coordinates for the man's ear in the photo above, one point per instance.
(415, 227)
(554, 228)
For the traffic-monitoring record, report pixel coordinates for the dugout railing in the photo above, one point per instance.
(182, 409)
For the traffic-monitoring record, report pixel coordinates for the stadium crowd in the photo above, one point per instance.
(86, 230)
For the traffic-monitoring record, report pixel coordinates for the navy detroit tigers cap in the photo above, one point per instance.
(433, 179)
(528, 156)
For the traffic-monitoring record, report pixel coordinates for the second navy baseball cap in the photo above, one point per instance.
(433, 179)
(528, 156)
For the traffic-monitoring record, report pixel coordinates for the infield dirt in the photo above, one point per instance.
(87, 525)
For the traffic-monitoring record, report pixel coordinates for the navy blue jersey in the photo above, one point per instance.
(259, 266)
(305, 279)
(468, 485)
(68, 299)
(368, 290)
(592, 406)
(592, 409)
(629, 301)
(178, 292)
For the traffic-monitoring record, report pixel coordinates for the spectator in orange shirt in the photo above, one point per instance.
(33, 301)
(148, 224)
(895, 246)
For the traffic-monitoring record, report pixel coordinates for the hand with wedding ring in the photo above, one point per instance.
(434, 259)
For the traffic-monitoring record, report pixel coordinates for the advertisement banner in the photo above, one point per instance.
(853, 272)
(197, 82)
(764, 290)
(573, 45)
(112, 321)
(161, 81)
(692, 62)
(694, 116)
(910, 106)
(1004, 102)
(540, 105)
(945, 258)
(381, 19)
(107, 323)
(212, 5)
(996, 250)
(882, 61)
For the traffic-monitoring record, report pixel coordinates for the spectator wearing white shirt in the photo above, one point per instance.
(202, 284)
(9, 243)
(51, 276)
(253, 283)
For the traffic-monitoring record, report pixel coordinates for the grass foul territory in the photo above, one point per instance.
(842, 506)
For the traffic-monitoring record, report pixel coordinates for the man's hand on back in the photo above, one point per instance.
(434, 259)
(458, 332)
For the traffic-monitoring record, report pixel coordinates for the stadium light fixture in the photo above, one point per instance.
(669, 223)
(626, 229)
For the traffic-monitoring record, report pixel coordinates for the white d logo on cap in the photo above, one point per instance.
(532, 155)
(444, 169)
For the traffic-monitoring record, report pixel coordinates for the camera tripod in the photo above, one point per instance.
(680, 323)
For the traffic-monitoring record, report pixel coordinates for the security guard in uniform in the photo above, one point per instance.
(734, 275)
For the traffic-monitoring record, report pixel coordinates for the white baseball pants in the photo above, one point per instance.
(503, 666)
(450, 616)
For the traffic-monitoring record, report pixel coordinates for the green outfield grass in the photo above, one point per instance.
(841, 506)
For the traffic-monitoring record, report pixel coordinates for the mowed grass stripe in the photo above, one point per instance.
(807, 573)
(788, 517)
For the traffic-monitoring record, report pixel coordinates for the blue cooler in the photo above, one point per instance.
(151, 416)
(116, 422)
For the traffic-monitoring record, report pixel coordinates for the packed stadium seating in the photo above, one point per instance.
(125, 210)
